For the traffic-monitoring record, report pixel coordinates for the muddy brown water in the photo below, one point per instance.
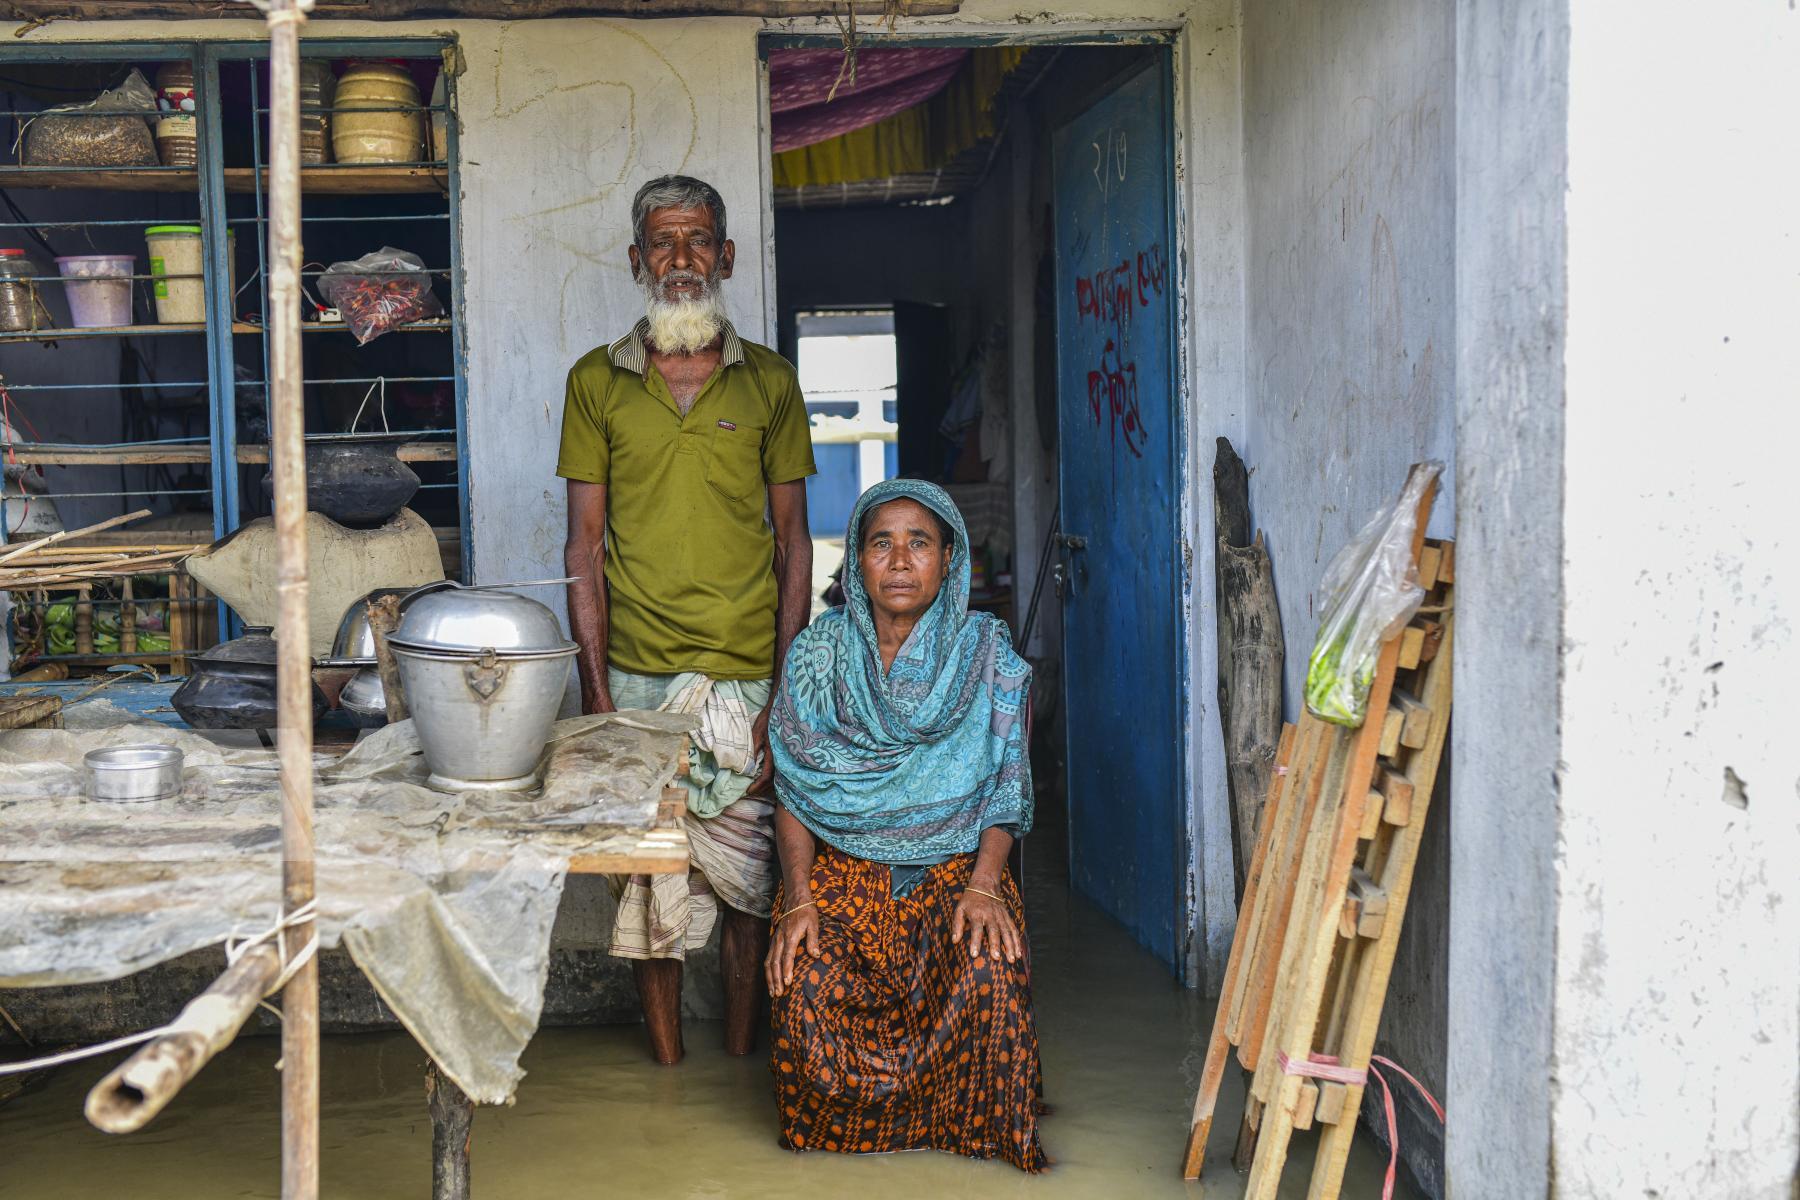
(1122, 1045)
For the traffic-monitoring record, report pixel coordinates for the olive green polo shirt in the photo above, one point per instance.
(690, 557)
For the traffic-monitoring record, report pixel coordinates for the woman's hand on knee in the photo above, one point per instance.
(989, 926)
(796, 928)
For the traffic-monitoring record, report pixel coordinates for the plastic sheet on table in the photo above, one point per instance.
(445, 901)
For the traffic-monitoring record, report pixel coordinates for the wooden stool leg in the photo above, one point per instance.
(452, 1128)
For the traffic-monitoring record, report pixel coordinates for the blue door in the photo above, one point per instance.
(1119, 445)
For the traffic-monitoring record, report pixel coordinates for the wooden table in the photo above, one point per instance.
(660, 847)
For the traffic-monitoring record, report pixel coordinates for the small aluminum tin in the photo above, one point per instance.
(132, 774)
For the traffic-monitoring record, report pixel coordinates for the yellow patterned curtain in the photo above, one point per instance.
(922, 138)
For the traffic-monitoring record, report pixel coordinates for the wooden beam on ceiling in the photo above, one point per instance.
(41, 11)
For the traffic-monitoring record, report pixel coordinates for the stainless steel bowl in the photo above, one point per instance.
(132, 774)
(483, 719)
(354, 644)
(470, 620)
(364, 699)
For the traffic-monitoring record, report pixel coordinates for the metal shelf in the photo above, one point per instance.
(243, 327)
(323, 180)
(442, 325)
(198, 454)
(64, 335)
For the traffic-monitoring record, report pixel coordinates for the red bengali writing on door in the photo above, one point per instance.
(1111, 297)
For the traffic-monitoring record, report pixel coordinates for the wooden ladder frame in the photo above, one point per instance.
(1326, 896)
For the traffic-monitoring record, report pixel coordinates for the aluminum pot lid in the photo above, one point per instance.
(470, 621)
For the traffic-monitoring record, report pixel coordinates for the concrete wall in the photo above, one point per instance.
(1677, 999)
(1624, 940)
(1512, 178)
(1349, 159)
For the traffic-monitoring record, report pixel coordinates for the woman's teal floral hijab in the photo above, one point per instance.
(913, 766)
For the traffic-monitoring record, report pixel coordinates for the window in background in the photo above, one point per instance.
(847, 372)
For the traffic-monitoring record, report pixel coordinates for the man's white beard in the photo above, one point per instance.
(684, 326)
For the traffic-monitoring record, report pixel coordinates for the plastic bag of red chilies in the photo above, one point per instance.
(379, 292)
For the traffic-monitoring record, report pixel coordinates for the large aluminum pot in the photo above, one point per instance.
(483, 718)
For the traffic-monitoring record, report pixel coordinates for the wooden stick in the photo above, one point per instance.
(384, 618)
(25, 548)
(84, 620)
(128, 619)
(1368, 989)
(1218, 1049)
(177, 623)
(293, 672)
(52, 553)
(452, 1129)
(141, 1086)
(50, 576)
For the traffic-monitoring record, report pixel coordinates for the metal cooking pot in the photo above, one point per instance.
(483, 718)
(484, 673)
(232, 686)
(355, 479)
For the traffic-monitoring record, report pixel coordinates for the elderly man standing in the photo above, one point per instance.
(686, 449)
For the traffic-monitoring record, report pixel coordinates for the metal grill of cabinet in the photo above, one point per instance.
(192, 425)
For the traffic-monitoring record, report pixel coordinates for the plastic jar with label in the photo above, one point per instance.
(318, 89)
(177, 129)
(18, 295)
(178, 266)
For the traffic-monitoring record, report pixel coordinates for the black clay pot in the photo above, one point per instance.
(232, 686)
(356, 483)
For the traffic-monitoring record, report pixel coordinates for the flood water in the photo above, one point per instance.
(1121, 1046)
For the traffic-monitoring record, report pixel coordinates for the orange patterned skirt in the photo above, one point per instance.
(895, 1039)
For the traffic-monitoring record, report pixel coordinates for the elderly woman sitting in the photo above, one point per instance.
(898, 967)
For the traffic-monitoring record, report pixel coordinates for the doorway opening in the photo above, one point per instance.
(1001, 219)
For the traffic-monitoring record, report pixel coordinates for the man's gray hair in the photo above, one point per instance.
(676, 191)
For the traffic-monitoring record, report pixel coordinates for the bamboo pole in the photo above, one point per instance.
(141, 1086)
(300, 999)
(34, 546)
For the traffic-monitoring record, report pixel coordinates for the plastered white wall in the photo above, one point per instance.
(562, 121)
(1677, 994)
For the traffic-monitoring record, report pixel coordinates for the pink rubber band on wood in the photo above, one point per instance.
(1321, 1066)
(1327, 1067)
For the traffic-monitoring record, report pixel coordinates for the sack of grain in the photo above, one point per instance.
(74, 136)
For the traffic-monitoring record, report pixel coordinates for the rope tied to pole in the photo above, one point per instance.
(235, 949)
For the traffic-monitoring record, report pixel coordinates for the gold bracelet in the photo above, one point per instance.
(790, 912)
(979, 892)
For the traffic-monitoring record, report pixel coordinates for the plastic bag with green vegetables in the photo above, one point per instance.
(1371, 591)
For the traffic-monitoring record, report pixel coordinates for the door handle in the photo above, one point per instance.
(1075, 541)
(1058, 576)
